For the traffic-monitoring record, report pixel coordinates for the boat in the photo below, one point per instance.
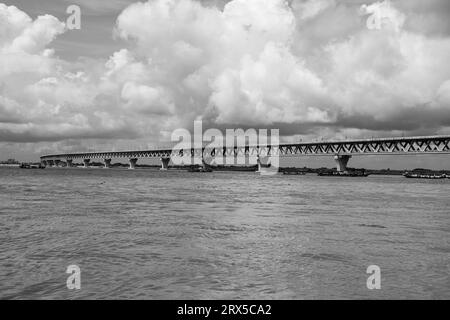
(343, 174)
(31, 166)
(233, 168)
(425, 176)
(294, 172)
(10, 163)
(199, 169)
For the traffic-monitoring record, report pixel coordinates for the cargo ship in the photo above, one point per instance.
(333, 173)
(31, 166)
(234, 168)
(293, 172)
(10, 163)
(199, 169)
(425, 176)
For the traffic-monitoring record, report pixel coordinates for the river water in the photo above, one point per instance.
(180, 235)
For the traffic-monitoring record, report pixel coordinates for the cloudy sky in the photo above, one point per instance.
(315, 69)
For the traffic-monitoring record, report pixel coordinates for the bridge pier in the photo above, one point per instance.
(69, 163)
(57, 163)
(107, 163)
(165, 164)
(133, 163)
(263, 168)
(50, 163)
(86, 162)
(341, 162)
(204, 165)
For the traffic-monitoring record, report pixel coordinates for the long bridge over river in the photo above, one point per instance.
(342, 151)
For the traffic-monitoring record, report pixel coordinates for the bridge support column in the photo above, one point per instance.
(341, 162)
(165, 164)
(107, 163)
(86, 162)
(57, 163)
(204, 165)
(50, 163)
(263, 165)
(69, 163)
(44, 163)
(133, 163)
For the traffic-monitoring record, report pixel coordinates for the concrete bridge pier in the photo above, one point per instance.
(263, 164)
(204, 165)
(107, 163)
(341, 162)
(165, 164)
(69, 163)
(133, 163)
(86, 162)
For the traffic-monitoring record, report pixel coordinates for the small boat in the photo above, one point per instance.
(425, 176)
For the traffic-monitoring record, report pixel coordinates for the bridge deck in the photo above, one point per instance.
(401, 145)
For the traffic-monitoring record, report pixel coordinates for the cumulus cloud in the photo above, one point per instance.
(271, 61)
(324, 67)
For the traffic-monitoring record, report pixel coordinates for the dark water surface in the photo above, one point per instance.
(173, 235)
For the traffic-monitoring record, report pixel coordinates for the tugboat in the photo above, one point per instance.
(425, 176)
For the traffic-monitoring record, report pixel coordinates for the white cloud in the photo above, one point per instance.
(311, 8)
(20, 34)
(274, 87)
(37, 35)
(12, 23)
(145, 99)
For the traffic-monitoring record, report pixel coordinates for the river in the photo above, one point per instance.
(223, 235)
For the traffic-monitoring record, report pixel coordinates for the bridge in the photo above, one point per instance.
(342, 151)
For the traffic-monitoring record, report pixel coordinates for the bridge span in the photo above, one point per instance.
(342, 151)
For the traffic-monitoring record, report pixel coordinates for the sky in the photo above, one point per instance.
(136, 71)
